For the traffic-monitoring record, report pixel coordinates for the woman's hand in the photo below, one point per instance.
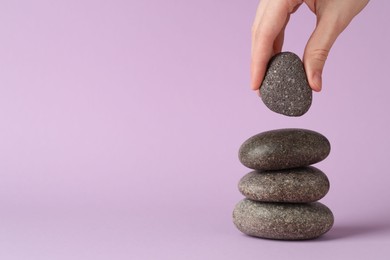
(272, 16)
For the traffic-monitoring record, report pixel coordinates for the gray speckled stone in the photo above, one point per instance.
(283, 221)
(285, 89)
(298, 185)
(284, 149)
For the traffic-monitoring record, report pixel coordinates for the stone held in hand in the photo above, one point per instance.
(297, 185)
(284, 221)
(285, 89)
(284, 149)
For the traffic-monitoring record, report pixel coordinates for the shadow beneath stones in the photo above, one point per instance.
(355, 230)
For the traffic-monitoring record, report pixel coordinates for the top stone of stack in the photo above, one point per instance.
(284, 149)
(285, 89)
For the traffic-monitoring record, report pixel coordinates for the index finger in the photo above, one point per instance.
(266, 30)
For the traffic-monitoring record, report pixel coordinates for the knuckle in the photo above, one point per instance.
(320, 54)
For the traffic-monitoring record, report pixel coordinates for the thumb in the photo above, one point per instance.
(317, 50)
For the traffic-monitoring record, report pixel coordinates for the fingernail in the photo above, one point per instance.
(317, 80)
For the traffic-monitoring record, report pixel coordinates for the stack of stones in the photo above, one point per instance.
(283, 190)
(281, 193)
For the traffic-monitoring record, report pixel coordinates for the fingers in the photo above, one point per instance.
(263, 36)
(259, 66)
(318, 47)
(333, 17)
(316, 53)
(268, 34)
(278, 43)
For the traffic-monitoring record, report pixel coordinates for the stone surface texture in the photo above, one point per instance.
(298, 185)
(284, 149)
(285, 89)
(284, 221)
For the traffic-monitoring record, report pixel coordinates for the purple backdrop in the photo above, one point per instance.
(121, 122)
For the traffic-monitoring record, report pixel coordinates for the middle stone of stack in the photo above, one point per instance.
(298, 185)
(280, 190)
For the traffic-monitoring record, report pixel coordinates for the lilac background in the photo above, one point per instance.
(121, 122)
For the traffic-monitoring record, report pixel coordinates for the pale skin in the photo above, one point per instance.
(272, 16)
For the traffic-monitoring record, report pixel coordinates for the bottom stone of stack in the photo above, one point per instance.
(284, 221)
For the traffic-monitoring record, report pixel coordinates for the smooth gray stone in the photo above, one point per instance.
(284, 149)
(285, 89)
(285, 221)
(298, 185)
